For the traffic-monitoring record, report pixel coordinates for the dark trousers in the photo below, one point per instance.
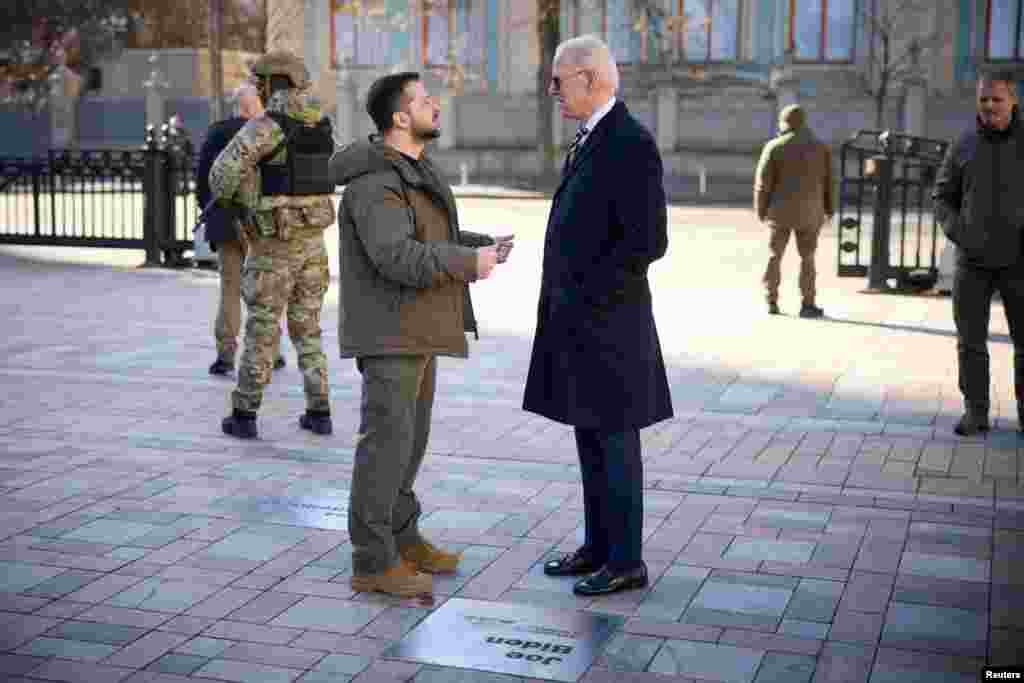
(394, 425)
(613, 505)
(973, 288)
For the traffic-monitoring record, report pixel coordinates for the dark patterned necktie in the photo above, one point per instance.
(575, 146)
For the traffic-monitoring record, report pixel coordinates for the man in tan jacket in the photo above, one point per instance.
(793, 194)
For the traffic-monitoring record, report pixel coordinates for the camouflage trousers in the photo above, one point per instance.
(231, 256)
(284, 275)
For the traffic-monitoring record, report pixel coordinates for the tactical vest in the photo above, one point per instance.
(308, 151)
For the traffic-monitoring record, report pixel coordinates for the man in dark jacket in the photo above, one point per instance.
(981, 209)
(224, 236)
(405, 268)
(596, 361)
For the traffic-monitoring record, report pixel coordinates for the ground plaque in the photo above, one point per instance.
(521, 640)
(321, 512)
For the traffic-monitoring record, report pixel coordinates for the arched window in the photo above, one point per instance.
(637, 30)
(457, 27)
(822, 30)
(1004, 30)
(370, 32)
(416, 34)
(709, 29)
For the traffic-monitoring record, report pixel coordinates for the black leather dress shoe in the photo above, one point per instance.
(607, 581)
(573, 564)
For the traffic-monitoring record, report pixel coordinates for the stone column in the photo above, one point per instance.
(286, 28)
(62, 113)
(315, 21)
(449, 120)
(785, 83)
(316, 49)
(666, 117)
(914, 106)
(915, 92)
(155, 86)
(787, 90)
(557, 127)
(345, 111)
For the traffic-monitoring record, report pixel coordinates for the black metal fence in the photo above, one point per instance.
(135, 199)
(887, 229)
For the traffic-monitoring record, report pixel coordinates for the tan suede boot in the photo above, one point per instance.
(402, 580)
(427, 557)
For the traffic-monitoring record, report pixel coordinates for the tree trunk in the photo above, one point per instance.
(548, 13)
(884, 74)
(880, 97)
(216, 62)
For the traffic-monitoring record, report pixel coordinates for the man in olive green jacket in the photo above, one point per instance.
(793, 194)
(404, 300)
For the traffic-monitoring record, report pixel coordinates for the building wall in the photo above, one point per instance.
(24, 132)
(722, 118)
(186, 71)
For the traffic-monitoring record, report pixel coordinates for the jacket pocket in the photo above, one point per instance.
(297, 217)
(971, 234)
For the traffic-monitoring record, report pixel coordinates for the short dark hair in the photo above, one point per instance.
(385, 98)
(997, 75)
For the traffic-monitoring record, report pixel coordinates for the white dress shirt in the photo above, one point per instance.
(595, 118)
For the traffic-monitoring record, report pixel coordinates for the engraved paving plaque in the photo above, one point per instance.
(521, 640)
(321, 512)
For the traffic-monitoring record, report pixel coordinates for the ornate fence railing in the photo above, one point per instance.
(132, 199)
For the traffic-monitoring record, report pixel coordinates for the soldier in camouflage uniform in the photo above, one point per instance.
(286, 265)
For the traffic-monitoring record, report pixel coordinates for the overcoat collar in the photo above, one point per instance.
(594, 140)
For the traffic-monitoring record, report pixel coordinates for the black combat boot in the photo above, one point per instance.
(811, 311)
(222, 367)
(317, 421)
(240, 424)
(974, 420)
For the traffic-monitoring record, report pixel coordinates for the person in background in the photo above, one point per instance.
(793, 194)
(224, 236)
(276, 171)
(980, 207)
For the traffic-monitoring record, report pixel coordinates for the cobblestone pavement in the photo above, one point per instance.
(809, 514)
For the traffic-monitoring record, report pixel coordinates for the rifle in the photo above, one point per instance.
(233, 212)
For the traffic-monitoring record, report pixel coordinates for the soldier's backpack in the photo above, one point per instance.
(305, 170)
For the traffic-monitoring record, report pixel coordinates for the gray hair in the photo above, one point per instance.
(592, 52)
(245, 89)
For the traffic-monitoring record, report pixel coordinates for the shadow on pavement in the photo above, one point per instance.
(1000, 338)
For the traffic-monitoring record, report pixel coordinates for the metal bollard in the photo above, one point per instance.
(881, 168)
(151, 212)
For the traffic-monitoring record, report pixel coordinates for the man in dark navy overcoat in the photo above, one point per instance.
(596, 362)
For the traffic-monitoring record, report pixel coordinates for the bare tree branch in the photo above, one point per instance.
(888, 62)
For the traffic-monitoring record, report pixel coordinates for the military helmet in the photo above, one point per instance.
(282, 63)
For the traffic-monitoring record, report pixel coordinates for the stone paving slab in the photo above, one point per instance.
(809, 514)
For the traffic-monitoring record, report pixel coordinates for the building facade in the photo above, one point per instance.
(707, 76)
